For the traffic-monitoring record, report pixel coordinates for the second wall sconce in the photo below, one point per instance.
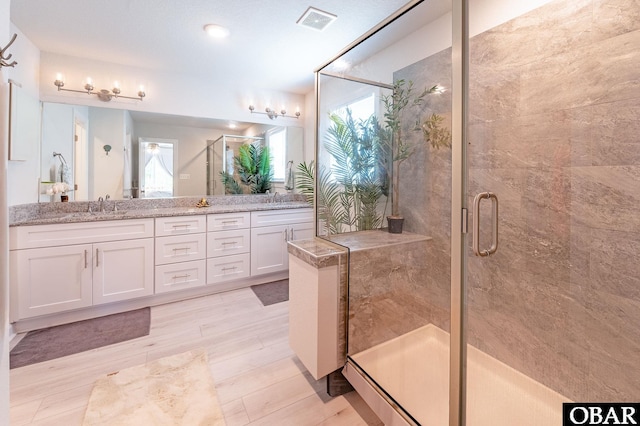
(107, 148)
(103, 94)
(273, 114)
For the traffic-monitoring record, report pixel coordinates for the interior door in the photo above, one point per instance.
(156, 167)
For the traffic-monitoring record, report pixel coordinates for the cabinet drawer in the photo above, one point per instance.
(180, 225)
(227, 268)
(180, 248)
(228, 221)
(281, 217)
(180, 276)
(225, 243)
(22, 237)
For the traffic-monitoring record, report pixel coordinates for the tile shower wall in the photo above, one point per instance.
(554, 124)
(554, 131)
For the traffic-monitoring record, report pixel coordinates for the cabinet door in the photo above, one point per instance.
(122, 270)
(50, 280)
(269, 249)
(302, 231)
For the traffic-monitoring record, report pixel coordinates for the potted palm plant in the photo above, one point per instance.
(401, 101)
(253, 166)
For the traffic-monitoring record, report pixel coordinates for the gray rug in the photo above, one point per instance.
(55, 342)
(270, 293)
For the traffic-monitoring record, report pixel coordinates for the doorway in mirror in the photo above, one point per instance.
(156, 167)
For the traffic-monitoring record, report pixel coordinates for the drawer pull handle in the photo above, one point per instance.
(232, 268)
(184, 225)
(285, 235)
(225, 243)
(186, 249)
(186, 276)
(226, 222)
(97, 258)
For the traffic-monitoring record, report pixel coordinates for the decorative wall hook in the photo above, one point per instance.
(4, 60)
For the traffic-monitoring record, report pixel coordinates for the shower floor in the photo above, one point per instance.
(414, 370)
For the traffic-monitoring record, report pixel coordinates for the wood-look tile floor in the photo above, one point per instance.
(258, 378)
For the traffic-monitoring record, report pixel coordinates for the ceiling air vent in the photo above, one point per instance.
(316, 19)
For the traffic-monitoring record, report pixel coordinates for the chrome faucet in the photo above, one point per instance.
(101, 205)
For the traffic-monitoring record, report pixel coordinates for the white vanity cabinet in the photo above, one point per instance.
(180, 252)
(228, 247)
(270, 232)
(55, 268)
(51, 279)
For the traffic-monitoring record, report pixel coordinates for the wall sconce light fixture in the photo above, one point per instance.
(273, 114)
(104, 95)
(107, 148)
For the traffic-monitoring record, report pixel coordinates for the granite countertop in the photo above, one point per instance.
(316, 251)
(73, 212)
(365, 240)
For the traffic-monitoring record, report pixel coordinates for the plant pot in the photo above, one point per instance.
(395, 224)
(64, 198)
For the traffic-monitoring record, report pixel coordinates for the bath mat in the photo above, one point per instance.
(176, 390)
(67, 339)
(270, 293)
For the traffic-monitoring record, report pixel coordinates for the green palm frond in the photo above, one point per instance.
(305, 180)
(230, 184)
(253, 165)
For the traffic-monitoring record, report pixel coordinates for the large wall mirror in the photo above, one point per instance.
(100, 149)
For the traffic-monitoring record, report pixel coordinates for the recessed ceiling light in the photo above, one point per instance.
(232, 125)
(216, 31)
(316, 19)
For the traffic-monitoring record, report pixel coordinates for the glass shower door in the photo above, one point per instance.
(399, 283)
(554, 314)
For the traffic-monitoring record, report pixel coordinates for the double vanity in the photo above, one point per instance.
(72, 261)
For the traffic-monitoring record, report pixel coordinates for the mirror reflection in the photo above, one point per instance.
(234, 162)
(130, 154)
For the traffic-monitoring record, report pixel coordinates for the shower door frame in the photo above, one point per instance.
(459, 179)
(459, 210)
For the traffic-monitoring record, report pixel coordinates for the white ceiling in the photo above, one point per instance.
(266, 48)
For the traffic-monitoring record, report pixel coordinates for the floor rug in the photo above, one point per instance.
(55, 342)
(270, 293)
(176, 390)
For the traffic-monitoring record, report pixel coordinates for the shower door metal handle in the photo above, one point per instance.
(476, 224)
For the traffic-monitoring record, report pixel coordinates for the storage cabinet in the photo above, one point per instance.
(51, 272)
(122, 270)
(62, 267)
(53, 279)
(180, 252)
(270, 232)
(228, 247)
